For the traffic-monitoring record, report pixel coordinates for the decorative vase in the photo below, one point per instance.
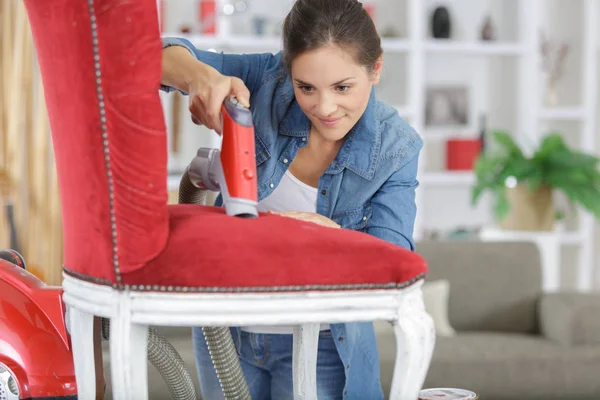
(487, 31)
(441, 26)
(551, 94)
(461, 154)
(547, 90)
(529, 210)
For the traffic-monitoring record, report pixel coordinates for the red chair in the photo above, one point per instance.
(134, 259)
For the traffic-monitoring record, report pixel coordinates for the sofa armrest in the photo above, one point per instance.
(571, 319)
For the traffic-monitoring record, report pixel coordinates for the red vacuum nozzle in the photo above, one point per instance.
(238, 155)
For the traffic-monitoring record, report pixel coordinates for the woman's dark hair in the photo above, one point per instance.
(312, 24)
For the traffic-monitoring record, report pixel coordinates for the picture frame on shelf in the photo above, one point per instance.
(447, 106)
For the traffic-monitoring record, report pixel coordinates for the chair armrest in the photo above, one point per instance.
(571, 319)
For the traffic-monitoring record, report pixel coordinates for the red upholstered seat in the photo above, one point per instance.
(101, 67)
(210, 251)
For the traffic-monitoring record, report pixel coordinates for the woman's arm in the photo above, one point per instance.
(250, 68)
(180, 68)
(393, 206)
(210, 77)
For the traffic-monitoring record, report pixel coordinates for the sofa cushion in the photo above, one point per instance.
(515, 366)
(493, 286)
(570, 318)
(435, 297)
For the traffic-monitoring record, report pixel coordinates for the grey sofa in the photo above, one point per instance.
(512, 341)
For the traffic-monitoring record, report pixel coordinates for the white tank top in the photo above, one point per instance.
(290, 195)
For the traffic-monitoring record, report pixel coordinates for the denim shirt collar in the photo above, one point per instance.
(360, 151)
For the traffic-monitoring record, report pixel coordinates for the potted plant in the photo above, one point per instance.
(523, 186)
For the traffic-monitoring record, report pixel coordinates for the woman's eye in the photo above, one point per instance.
(306, 89)
(342, 88)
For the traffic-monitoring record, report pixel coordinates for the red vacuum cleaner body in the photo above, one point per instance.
(230, 170)
(35, 350)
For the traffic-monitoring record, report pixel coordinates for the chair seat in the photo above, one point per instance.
(305, 256)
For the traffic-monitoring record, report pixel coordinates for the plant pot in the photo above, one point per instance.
(529, 210)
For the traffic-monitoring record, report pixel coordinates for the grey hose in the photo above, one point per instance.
(167, 362)
(220, 343)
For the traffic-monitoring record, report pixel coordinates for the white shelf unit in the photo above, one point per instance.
(472, 48)
(563, 114)
(533, 115)
(417, 48)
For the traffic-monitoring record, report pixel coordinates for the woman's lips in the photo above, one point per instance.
(330, 122)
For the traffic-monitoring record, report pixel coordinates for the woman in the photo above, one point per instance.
(326, 151)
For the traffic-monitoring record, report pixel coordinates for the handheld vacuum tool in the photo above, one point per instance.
(232, 169)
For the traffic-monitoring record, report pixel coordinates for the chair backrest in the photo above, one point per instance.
(493, 286)
(100, 62)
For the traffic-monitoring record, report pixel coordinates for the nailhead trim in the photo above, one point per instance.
(254, 289)
(107, 163)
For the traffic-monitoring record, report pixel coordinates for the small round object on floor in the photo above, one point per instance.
(447, 394)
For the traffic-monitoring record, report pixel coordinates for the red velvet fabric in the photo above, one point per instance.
(156, 244)
(130, 61)
(208, 249)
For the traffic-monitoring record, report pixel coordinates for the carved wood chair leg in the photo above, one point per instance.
(304, 367)
(81, 327)
(129, 355)
(415, 340)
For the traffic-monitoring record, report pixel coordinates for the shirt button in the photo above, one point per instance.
(341, 339)
(304, 139)
(285, 160)
(323, 192)
(364, 218)
(271, 185)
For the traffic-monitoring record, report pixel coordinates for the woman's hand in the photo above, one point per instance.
(308, 217)
(206, 87)
(207, 92)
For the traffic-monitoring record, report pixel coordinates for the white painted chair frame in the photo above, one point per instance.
(131, 313)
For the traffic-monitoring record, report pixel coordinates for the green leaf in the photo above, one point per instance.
(506, 141)
(501, 206)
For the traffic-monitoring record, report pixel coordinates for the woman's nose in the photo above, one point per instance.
(326, 107)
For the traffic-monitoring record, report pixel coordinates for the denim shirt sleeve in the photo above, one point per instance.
(248, 67)
(393, 205)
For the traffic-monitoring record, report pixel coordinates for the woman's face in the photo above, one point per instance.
(332, 89)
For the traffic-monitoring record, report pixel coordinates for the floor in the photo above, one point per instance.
(180, 338)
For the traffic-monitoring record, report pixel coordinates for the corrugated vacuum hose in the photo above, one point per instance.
(226, 362)
(219, 340)
(167, 361)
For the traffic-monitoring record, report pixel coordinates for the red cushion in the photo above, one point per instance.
(208, 249)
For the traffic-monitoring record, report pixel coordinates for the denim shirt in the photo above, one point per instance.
(369, 187)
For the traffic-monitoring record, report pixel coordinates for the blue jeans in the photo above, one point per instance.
(267, 364)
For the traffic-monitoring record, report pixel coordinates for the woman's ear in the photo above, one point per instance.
(377, 70)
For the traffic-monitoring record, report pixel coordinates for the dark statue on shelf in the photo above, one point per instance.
(441, 25)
